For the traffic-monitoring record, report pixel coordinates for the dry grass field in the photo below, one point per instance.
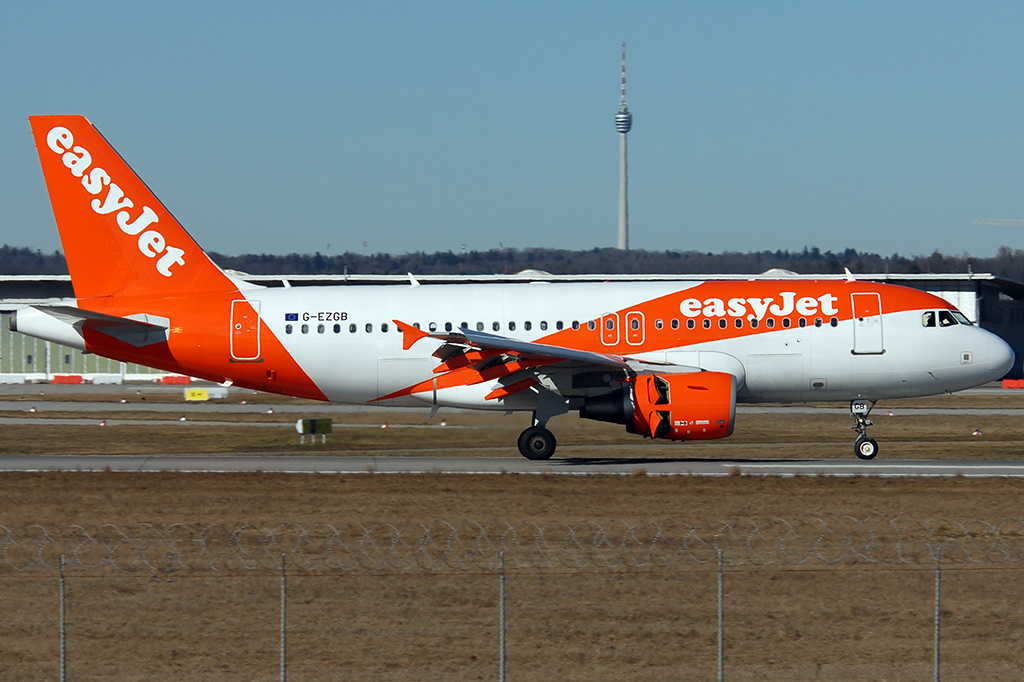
(845, 622)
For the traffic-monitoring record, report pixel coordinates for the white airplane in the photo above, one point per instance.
(668, 360)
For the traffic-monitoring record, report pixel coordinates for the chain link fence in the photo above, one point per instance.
(469, 545)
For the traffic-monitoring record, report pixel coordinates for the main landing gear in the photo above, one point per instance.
(864, 447)
(537, 442)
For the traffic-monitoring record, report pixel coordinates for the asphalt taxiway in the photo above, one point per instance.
(571, 466)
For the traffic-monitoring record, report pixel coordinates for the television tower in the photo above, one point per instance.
(623, 122)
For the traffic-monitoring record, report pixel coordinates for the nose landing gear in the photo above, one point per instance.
(864, 447)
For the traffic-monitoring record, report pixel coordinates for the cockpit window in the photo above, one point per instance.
(960, 317)
(946, 319)
(928, 319)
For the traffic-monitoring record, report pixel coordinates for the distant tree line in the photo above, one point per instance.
(1007, 262)
(20, 261)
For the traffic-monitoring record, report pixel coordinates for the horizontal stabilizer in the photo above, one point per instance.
(137, 330)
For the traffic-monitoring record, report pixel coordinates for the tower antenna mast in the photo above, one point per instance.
(623, 122)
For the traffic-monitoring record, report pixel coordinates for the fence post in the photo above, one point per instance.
(501, 620)
(284, 642)
(721, 639)
(938, 593)
(63, 633)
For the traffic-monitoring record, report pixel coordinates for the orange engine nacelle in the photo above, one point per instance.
(696, 406)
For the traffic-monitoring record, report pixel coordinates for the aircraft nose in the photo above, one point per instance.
(999, 357)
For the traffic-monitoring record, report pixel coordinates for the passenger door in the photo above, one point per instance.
(867, 324)
(245, 330)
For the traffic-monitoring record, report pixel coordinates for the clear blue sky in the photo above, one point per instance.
(272, 128)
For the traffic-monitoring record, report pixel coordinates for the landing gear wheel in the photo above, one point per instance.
(866, 448)
(537, 442)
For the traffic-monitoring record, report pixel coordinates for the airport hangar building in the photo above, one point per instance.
(994, 303)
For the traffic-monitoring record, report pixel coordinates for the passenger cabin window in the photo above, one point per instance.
(337, 329)
(479, 326)
(369, 328)
(928, 319)
(786, 322)
(495, 326)
(575, 325)
(287, 329)
(675, 324)
(447, 326)
(659, 324)
(558, 325)
(319, 329)
(707, 323)
(753, 323)
(432, 326)
(592, 325)
(511, 326)
(351, 329)
(384, 327)
(543, 326)
(305, 329)
(527, 326)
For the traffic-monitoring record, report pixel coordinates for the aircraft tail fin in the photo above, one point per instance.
(118, 238)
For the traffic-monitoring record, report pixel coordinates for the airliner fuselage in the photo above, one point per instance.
(666, 359)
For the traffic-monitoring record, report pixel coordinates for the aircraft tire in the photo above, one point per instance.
(866, 448)
(537, 443)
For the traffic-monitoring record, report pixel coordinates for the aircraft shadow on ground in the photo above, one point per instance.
(619, 461)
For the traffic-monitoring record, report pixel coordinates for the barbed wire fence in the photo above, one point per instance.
(469, 545)
(440, 547)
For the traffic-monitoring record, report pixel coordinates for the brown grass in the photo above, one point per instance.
(850, 622)
(779, 434)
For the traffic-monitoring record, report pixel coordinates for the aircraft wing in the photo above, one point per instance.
(465, 341)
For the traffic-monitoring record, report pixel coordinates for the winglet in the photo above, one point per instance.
(410, 334)
(849, 275)
(412, 280)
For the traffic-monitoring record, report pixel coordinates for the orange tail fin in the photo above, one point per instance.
(117, 236)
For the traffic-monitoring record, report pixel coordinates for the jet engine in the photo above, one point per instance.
(694, 406)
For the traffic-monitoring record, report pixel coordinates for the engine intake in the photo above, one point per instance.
(695, 406)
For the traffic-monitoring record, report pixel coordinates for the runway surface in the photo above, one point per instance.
(508, 465)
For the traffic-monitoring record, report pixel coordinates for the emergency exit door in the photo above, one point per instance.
(245, 330)
(867, 324)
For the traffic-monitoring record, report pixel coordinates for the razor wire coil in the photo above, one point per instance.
(468, 545)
